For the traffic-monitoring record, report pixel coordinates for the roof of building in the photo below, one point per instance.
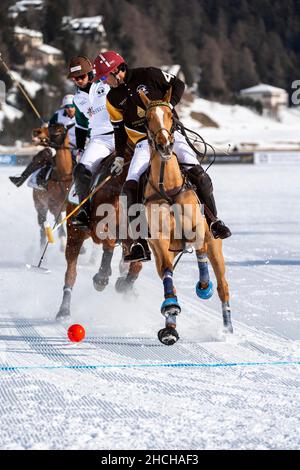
(23, 5)
(28, 32)
(85, 24)
(262, 88)
(49, 49)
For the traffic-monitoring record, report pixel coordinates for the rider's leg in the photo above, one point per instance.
(204, 187)
(96, 150)
(140, 161)
(40, 159)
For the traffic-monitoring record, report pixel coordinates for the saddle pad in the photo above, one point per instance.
(32, 183)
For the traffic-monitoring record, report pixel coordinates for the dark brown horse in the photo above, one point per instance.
(53, 199)
(106, 197)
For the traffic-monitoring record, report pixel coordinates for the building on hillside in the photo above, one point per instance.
(28, 39)
(50, 55)
(272, 98)
(24, 6)
(35, 52)
(86, 29)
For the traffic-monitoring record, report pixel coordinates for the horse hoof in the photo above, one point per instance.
(168, 336)
(63, 315)
(100, 282)
(170, 306)
(205, 293)
(123, 285)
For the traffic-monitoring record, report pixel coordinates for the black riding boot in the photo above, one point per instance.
(139, 250)
(204, 189)
(83, 179)
(37, 162)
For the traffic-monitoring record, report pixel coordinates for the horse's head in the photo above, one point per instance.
(54, 135)
(40, 136)
(159, 120)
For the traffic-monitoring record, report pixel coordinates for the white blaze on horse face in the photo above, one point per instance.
(160, 114)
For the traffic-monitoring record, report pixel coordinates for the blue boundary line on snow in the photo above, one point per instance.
(140, 366)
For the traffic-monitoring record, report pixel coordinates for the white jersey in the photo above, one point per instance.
(91, 113)
(61, 117)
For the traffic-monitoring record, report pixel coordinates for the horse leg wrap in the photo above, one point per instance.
(203, 268)
(227, 317)
(105, 267)
(168, 283)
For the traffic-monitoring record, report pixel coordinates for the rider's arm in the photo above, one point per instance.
(116, 118)
(81, 128)
(165, 80)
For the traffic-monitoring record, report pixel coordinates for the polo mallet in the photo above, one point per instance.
(21, 89)
(50, 231)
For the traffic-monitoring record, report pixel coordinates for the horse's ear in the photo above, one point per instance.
(168, 95)
(144, 98)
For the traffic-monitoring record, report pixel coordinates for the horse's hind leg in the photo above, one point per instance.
(42, 217)
(74, 243)
(215, 255)
(101, 278)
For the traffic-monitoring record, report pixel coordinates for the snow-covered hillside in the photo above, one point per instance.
(242, 128)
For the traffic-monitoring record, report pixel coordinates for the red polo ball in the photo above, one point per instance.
(76, 333)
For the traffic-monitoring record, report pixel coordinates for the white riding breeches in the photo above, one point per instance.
(97, 149)
(141, 157)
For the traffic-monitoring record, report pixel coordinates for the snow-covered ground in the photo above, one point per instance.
(240, 392)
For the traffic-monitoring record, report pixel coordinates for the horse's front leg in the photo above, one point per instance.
(74, 243)
(101, 278)
(62, 234)
(170, 307)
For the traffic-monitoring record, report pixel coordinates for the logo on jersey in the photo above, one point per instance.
(142, 88)
(100, 91)
(140, 112)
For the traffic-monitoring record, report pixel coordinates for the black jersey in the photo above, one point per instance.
(126, 108)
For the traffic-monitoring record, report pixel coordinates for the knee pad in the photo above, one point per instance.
(201, 179)
(82, 173)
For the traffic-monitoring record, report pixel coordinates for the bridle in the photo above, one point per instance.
(164, 152)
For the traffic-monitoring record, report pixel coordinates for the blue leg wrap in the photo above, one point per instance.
(204, 278)
(205, 293)
(170, 305)
(168, 283)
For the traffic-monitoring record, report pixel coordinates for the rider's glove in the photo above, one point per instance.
(117, 166)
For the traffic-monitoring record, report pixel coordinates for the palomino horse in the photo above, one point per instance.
(167, 193)
(106, 197)
(54, 198)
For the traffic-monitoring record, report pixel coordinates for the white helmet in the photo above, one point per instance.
(68, 101)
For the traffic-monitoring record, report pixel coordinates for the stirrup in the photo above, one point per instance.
(219, 229)
(138, 253)
(81, 220)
